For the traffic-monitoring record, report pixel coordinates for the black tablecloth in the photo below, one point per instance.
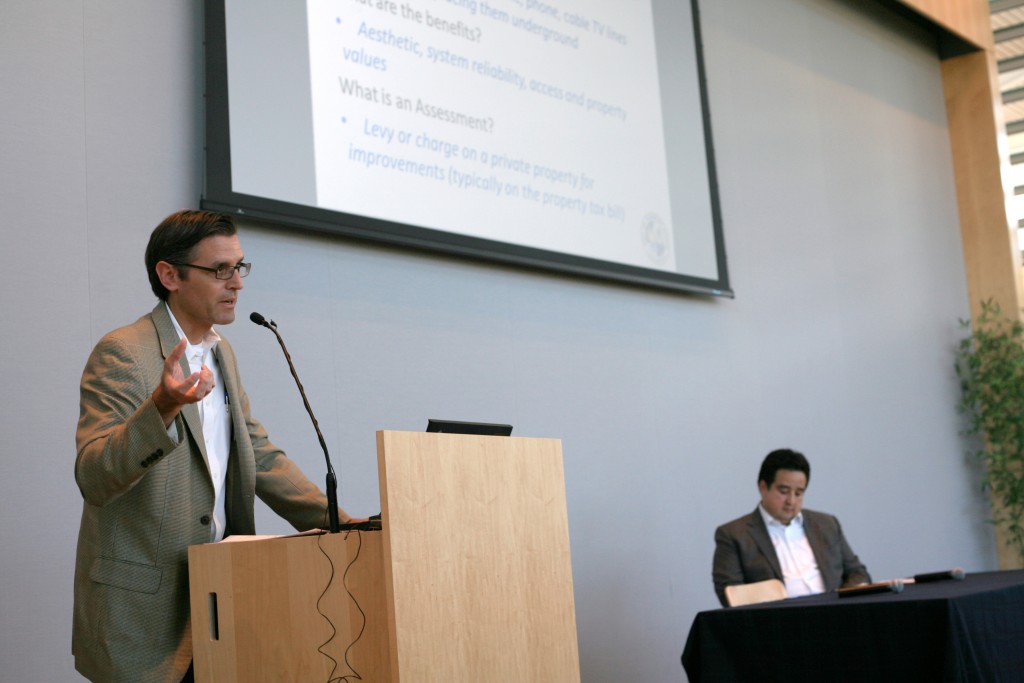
(970, 630)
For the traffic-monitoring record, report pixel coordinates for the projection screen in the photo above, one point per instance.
(570, 135)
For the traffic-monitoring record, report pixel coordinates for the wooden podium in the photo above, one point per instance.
(469, 580)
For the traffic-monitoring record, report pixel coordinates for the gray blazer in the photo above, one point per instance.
(147, 498)
(744, 553)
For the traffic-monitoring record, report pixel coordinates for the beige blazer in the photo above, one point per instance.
(147, 497)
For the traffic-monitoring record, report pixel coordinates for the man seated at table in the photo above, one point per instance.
(804, 549)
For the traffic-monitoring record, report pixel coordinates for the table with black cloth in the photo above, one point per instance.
(970, 630)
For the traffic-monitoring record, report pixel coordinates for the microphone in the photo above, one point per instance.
(332, 479)
(956, 574)
(891, 586)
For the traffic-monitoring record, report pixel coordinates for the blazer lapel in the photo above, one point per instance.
(818, 545)
(190, 413)
(227, 376)
(759, 532)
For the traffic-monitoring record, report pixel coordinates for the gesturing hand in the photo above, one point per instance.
(175, 390)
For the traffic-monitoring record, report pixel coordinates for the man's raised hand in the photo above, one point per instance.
(175, 389)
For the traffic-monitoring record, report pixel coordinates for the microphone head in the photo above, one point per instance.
(258, 319)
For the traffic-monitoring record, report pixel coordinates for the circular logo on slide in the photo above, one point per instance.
(654, 234)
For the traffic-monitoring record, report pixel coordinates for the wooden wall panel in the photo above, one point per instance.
(967, 18)
(973, 108)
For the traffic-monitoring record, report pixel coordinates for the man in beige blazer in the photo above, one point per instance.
(151, 482)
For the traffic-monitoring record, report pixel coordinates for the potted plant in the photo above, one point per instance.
(990, 367)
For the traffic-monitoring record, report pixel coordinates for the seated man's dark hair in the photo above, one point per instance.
(783, 459)
(175, 240)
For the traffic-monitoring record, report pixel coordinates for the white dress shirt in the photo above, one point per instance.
(215, 415)
(799, 567)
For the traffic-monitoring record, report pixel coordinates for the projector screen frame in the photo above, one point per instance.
(219, 195)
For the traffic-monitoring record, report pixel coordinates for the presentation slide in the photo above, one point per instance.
(565, 126)
(507, 120)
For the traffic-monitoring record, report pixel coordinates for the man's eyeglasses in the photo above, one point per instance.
(222, 273)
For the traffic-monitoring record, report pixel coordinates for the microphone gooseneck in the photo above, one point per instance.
(332, 479)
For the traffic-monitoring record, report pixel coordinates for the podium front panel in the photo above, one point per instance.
(266, 610)
(476, 559)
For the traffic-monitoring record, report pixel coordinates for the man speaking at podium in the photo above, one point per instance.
(804, 549)
(169, 456)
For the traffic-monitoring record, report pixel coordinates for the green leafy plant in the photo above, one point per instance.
(990, 366)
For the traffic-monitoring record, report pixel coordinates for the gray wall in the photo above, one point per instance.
(842, 235)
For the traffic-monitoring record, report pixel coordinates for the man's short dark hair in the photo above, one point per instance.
(175, 240)
(783, 459)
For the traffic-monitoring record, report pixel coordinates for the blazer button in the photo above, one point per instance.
(204, 520)
(144, 463)
(159, 453)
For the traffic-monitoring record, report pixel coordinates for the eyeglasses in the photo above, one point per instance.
(222, 273)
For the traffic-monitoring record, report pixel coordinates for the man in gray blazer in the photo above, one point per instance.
(169, 456)
(804, 549)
